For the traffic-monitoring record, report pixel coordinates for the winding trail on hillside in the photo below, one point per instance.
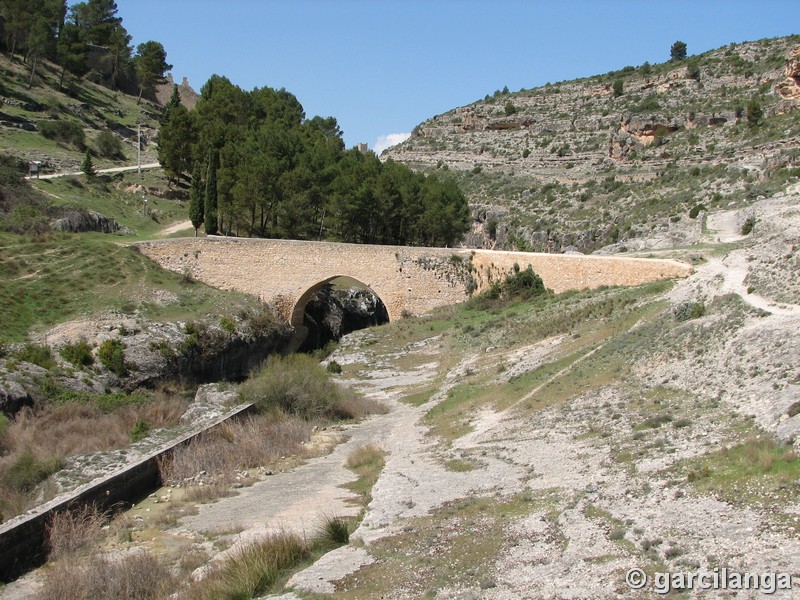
(733, 268)
(99, 171)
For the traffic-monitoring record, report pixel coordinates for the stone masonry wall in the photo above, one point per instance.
(408, 280)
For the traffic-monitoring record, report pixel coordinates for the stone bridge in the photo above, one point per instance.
(409, 280)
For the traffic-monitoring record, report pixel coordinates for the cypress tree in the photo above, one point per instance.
(196, 198)
(211, 195)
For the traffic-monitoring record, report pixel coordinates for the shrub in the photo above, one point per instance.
(108, 145)
(693, 69)
(366, 461)
(298, 385)
(618, 88)
(747, 226)
(696, 210)
(368, 455)
(140, 430)
(689, 310)
(333, 532)
(252, 570)
(228, 324)
(618, 533)
(510, 108)
(255, 441)
(38, 355)
(28, 471)
(334, 367)
(66, 132)
(491, 224)
(525, 284)
(3, 429)
(79, 354)
(650, 103)
(754, 112)
(517, 286)
(112, 355)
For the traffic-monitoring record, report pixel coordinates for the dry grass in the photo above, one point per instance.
(37, 441)
(77, 428)
(367, 462)
(135, 576)
(365, 456)
(253, 570)
(72, 530)
(242, 444)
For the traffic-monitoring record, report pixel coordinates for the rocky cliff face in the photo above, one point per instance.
(153, 352)
(619, 156)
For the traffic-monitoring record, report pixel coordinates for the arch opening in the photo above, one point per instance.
(333, 308)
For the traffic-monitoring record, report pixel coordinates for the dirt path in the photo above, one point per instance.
(99, 171)
(175, 228)
(723, 227)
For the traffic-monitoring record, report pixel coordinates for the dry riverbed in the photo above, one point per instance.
(545, 450)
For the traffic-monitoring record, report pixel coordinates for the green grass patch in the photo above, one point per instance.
(367, 462)
(418, 398)
(449, 419)
(459, 465)
(759, 472)
(119, 197)
(44, 281)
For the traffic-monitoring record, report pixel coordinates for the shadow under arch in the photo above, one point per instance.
(298, 314)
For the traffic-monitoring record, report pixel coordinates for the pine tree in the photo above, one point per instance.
(174, 102)
(211, 195)
(196, 198)
(754, 112)
(150, 63)
(678, 51)
(87, 167)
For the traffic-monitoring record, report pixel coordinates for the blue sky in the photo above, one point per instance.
(383, 66)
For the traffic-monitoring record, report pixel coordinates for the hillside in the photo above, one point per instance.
(94, 107)
(621, 157)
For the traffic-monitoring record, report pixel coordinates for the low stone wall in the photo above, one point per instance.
(23, 539)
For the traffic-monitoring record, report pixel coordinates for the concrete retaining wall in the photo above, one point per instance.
(23, 540)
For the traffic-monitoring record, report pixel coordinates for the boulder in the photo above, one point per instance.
(13, 396)
(80, 220)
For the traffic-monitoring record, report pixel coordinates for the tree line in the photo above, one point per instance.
(85, 39)
(260, 168)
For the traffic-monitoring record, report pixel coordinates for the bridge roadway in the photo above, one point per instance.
(409, 280)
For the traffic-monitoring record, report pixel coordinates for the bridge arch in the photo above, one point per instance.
(299, 308)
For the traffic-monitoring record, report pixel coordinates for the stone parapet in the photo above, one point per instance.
(409, 280)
